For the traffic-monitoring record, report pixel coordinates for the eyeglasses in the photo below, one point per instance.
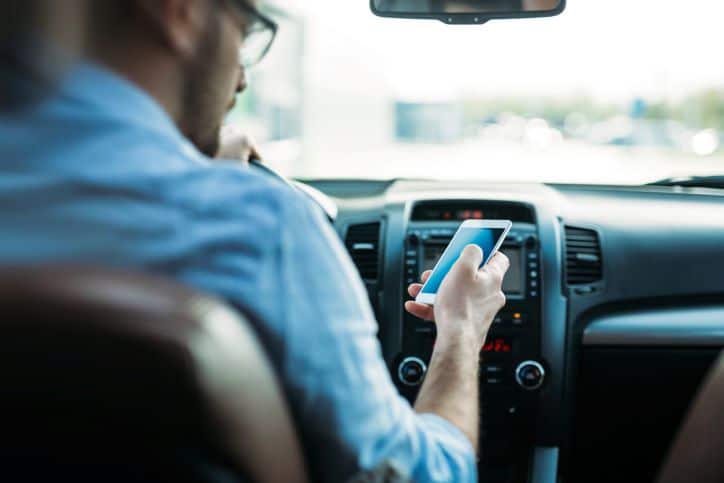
(259, 33)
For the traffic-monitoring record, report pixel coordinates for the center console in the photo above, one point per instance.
(511, 367)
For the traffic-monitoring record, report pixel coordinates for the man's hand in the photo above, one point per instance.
(236, 145)
(465, 306)
(421, 311)
(468, 297)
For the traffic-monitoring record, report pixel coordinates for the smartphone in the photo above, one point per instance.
(487, 234)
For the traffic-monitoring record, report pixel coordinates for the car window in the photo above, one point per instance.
(608, 92)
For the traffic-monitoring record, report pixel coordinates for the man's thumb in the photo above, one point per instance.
(471, 257)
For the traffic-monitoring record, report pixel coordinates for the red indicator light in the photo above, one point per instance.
(499, 345)
(447, 215)
(478, 214)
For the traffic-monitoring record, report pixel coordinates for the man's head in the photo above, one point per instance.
(185, 53)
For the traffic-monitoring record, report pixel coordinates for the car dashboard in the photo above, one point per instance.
(615, 309)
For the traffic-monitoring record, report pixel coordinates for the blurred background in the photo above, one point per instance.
(615, 92)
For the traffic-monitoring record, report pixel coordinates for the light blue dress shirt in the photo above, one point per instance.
(98, 172)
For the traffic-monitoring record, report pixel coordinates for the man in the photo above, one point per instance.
(103, 171)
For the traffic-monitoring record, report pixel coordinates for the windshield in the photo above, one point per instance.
(613, 92)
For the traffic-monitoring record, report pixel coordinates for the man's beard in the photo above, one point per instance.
(201, 116)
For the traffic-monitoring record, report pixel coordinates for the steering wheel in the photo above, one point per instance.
(328, 206)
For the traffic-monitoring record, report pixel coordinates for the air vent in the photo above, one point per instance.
(583, 256)
(363, 244)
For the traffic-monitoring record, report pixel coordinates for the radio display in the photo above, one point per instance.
(475, 210)
(513, 281)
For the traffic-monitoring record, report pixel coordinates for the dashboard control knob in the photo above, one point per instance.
(530, 375)
(531, 243)
(413, 240)
(411, 371)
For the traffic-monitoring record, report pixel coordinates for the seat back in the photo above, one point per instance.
(108, 376)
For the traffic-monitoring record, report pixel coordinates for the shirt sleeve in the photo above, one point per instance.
(352, 416)
(273, 254)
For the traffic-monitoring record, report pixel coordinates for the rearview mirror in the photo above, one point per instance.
(467, 11)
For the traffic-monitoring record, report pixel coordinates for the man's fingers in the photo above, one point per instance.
(414, 289)
(235, 145)
(254, 153)
(425, 275)
(499, 264)
(501, 260)
(421, 311)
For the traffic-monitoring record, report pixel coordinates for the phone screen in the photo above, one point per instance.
(485, 238)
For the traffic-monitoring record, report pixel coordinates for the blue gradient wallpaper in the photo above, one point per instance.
(485, 238)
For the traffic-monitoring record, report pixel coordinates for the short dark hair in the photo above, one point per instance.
(108, 18)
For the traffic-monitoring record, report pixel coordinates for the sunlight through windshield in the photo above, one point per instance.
(609, 92)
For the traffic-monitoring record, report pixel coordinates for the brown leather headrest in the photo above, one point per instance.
(103, 368)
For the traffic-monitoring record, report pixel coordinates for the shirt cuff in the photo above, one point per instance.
(456, 443)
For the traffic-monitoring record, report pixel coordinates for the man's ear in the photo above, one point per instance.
(180, 23)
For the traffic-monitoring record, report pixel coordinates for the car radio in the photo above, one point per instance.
(510, 369)
(425, 246)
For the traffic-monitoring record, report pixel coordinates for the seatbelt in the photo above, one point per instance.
(697, 454)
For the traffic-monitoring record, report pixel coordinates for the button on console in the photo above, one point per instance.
(530, 375)
(493, 368)
(518, 319)
(411, 371)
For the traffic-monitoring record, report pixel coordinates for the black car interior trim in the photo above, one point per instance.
(686, 326)
(651, 244)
